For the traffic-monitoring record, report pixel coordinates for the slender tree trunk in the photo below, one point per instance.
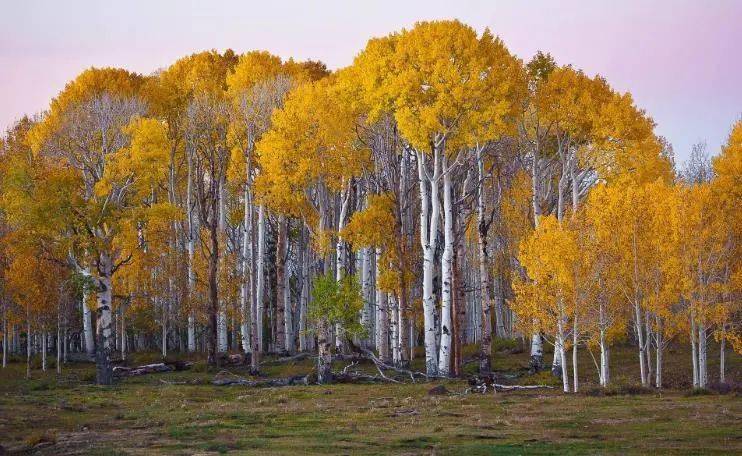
(429, 215)
(258, 316)
(281, 284)
(44, 348)
(444, 359)
(382, 315)
(59, 342)
(575, 338)
(460, 304)
(304, 339)
(722, 357)
(28, 349)
(556, 365)
(164, 327)
(639, 330)
(288, 315)
(123, 335)
(603, 359)
(213, 294)
(190, 247)
(694, 350)
(5, 335)
(394, 331)
(702, 355)
(245, 289)
(87, 323)
(560, 341)
(340, 257)
(367, 293)
(659, 345)
(648, 337)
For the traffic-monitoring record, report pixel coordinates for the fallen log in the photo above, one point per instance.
(521, 387)
(286, 359)
(236, 380)
(123, 371)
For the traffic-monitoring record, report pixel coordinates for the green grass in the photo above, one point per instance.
(151, 415)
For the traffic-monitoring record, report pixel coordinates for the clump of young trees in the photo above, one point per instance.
(436, 192)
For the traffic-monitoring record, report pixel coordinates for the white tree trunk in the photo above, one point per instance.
(340, 259)
(722, 357)
(556, 365)
(28, 349)
(367, 293)
(537, 343)
(5, 335)
(44, 348)
(304, 344)
(638, 328)
(123, 334)
(429, 215)
(560, 341)
(87, 324)
(537, 350)
(288, 313)
(245, 286)
(604, 367)
(164, 327)
(190, 246)
(382, 315)
(444, 358)
(694, 350)
(575, 379)
(258, 317)
(394, 328)
(702, 356)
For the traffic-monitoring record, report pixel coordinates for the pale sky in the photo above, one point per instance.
(682, 60)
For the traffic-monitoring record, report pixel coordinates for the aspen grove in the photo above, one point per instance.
(437, 193)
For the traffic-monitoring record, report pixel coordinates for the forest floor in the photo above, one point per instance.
(182, 413)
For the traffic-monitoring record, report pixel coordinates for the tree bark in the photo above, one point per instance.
(702, 356)
(694, 350)
(213, 294)
(485, 350)
(429, 215)
(281, 284)
(444, 359)
(537, 344)
(104, 340)
(382, 315)
(722, 357)
(324, 360)
(87, 323)
(258, 314)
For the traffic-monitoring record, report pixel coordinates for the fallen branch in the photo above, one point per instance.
(382, 365)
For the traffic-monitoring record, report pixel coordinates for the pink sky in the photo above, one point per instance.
(681, 60)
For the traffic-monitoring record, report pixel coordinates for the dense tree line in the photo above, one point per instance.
(437, 192)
